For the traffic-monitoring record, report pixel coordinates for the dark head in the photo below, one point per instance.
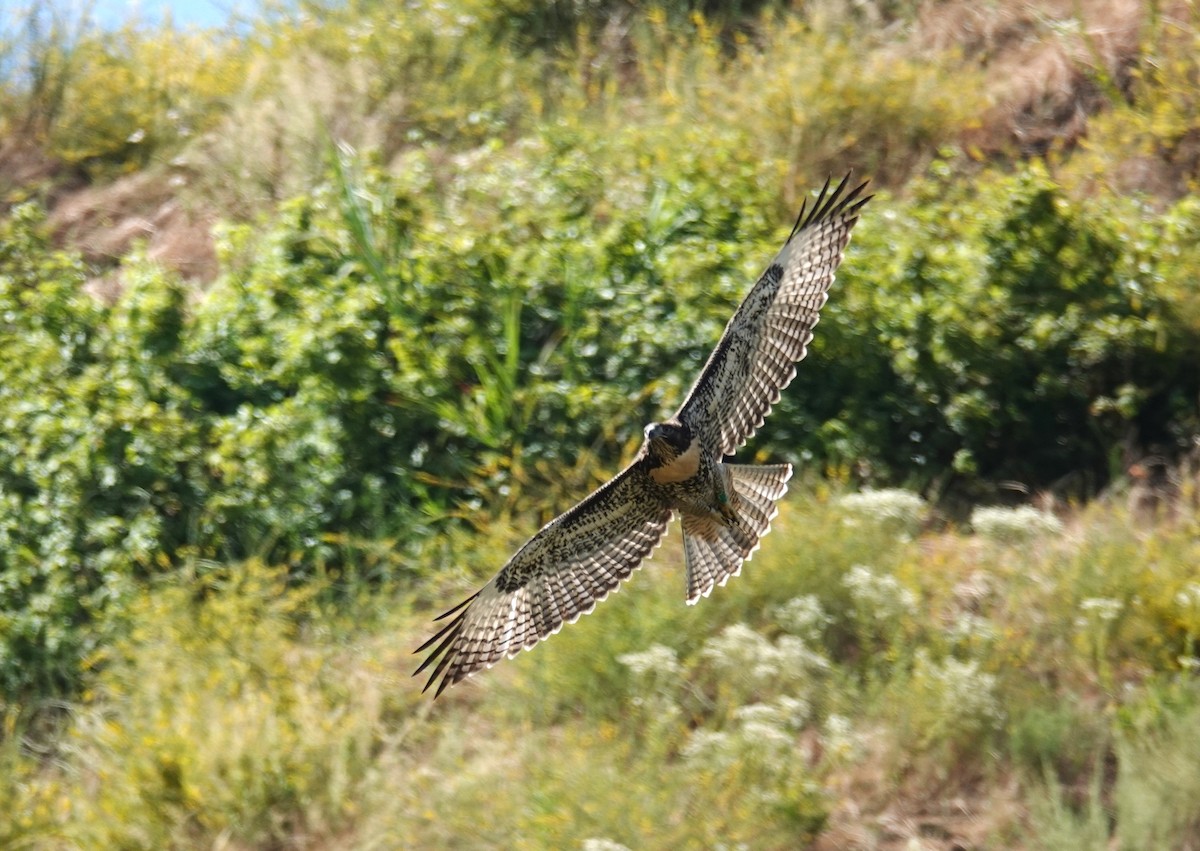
(667, 441)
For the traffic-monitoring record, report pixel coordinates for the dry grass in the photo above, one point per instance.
(824, 90)
(252, 716)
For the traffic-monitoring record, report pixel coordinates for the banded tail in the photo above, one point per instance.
(714, 548)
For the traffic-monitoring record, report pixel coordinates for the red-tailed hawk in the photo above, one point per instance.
(579, 557)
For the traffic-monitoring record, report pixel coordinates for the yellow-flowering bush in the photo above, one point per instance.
(135, 96)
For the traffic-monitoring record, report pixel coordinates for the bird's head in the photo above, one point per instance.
(665, 442)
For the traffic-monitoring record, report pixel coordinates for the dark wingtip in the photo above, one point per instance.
(447, 653)
(449, 612)
(831, 203)
(446, 636)
(443, 650)
(446, 681)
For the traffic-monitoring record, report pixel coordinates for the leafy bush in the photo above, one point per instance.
(394, 351)
(1157, 792)
(115, 117)
(1015, 334)
(213, 717)
(47, 331)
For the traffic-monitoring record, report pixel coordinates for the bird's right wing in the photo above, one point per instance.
(756, 356)
(558, 575)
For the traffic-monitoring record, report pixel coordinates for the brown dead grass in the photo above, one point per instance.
(875, 812)
(26, 170)
(106, 222)
(1049, 67)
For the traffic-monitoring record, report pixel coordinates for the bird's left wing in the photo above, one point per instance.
(558, 575)
(756, 356)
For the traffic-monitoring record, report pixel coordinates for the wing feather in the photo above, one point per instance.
(556, 577)
(756, 356)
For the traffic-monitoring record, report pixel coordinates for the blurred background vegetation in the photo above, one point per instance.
(307, 321)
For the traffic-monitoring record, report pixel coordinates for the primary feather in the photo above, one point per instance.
(770, 332)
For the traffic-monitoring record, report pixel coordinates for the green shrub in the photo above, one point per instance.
(946, 708)
(1062, 740)
(214, 717)
(1015, 335)
(48, 331)
(1157, 792)
(391, 352)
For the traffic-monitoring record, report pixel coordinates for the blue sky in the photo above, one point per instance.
(202, 13)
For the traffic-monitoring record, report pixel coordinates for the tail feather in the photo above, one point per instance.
(714, 548)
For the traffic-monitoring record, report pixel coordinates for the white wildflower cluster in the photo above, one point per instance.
(711, 748)
(1095, 624)
(1096, 613)
(655, 662)
(878, 596)
(1188, 597)
(759, 728)
(803, 617)
(784, 712)
(740, 652)
(761, 733)
(600, 844)
(971, 630)
(1100, 609)
(842, 743)
(894, 508)
(1014, 525)
(657, 673)
(959, 690)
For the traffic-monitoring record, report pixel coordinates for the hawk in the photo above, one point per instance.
(580, 556)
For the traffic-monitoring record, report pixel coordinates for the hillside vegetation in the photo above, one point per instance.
(306, 333)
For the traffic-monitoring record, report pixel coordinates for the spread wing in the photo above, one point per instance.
(756, 356)
(558, 575)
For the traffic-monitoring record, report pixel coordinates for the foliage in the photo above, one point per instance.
(1018, 335)
(116, 118)
(1147, 140)
(821, 94)
(215, 716)
(37, 59)
(1057, 824)
(743, 719)
(48, 329)
(466, 255)
(1157, 792)
(389, 353)
(241, 116)
(82, 94)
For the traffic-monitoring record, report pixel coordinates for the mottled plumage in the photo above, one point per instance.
(580, 556)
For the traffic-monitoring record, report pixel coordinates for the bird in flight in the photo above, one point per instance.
(583, 554)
